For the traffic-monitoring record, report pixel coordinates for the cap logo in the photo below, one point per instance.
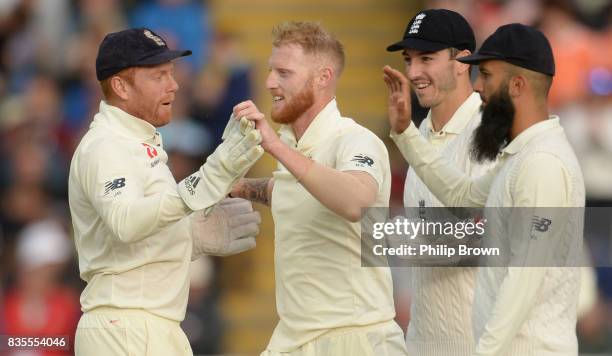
(416, 24)
(156, 39)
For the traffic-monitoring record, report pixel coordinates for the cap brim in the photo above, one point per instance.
(477, 58)
(418, 44)
(163, 57)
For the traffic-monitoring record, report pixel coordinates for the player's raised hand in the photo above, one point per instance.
(400, 112)
(249, 110)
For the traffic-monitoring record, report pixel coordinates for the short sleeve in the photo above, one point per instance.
(362, 151)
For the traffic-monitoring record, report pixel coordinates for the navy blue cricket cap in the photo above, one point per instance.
(518, 44)
(436, 29)
(130, 48)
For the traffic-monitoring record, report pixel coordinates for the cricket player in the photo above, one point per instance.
(136, 231)
(441, 298)
(517, 310)
(329, 169)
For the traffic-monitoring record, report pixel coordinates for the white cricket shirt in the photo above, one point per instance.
(133, 244)
(442, 297)
(519, 311)
(320, 284)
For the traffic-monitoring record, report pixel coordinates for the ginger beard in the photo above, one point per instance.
(297, 105)
(157, 113)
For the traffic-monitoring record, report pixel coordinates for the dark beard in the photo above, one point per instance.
(493, 133)
(296, 107)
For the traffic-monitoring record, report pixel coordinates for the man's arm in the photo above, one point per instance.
(231, 160)
(114, 184)
(258, 190)
(451, 186)
(343, 192)
(115, 187)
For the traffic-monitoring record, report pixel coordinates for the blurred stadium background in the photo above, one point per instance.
(48, 95)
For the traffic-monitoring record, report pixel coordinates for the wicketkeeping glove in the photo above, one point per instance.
(231, 160)
(229, 229)
(235, 127)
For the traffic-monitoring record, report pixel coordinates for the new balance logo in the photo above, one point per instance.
(540, 224)
(191, 183)
(363, 159)
(114, 184)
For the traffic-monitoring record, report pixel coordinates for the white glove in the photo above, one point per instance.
(229, 229)
(235, 127)
(230, 161)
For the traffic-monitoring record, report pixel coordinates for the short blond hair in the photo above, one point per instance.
(312, 38)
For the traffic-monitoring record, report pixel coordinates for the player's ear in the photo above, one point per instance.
(119, 87)
(462, 67)
(516, 85)
(325, 76)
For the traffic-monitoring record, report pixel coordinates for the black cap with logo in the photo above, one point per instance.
(434, 30)
(130, 48)
(518, 44)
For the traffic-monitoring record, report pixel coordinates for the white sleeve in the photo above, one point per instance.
(451, 186)
(114, 183)
(363, 152)
(512, 306)
(536, 196)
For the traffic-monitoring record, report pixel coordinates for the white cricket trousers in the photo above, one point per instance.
(382, 339)
(129, 332)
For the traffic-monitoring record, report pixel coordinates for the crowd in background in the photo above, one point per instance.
(49, 94)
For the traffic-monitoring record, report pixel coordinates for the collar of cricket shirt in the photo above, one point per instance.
(126, 124)
(520, 141)
(460, 118)
(322, 126)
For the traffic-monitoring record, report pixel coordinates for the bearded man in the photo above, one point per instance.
(516, 310)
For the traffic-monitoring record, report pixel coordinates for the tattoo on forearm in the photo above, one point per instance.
(256, 190)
